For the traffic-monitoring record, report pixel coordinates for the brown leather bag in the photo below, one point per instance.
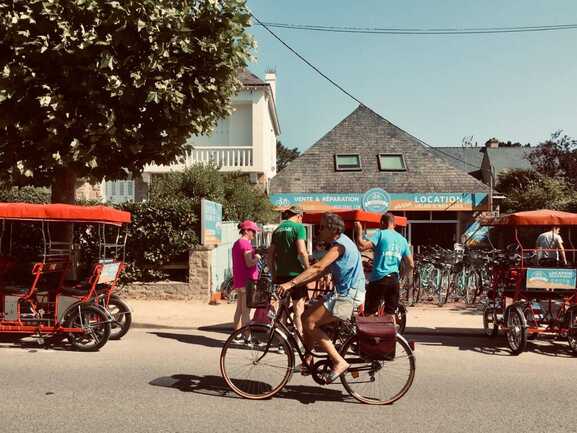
(377, 337)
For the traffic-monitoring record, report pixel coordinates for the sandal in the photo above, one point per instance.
(332, 376)
(306, 368)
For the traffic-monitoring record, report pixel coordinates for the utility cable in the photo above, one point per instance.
(420, 31)
(265, 26)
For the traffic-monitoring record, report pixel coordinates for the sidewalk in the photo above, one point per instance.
(451, 319)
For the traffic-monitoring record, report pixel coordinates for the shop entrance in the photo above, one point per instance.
(443, 233)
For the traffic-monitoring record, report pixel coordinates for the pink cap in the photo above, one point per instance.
(248, 225)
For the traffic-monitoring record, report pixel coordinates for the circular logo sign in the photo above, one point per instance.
(376, 200)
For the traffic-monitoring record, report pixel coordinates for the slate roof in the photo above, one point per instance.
(368, 134)
(249, 79)
(509, 158)
(468, 159)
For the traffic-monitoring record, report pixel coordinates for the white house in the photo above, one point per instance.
(245, 141)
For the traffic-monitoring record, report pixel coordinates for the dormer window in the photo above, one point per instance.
(348, 162)
(392, 162)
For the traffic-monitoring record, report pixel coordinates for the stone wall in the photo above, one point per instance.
(197, 288)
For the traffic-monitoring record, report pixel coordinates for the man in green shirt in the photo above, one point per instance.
(288, 257)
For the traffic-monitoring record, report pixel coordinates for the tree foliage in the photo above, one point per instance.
(284, 155)
(529, 190)
(239, 198)
(95, 88)
(556, 157)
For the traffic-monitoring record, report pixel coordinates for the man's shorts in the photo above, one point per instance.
(297, 292)
(343, 307)
(387, 289)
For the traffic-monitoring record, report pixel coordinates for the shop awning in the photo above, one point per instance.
(369, 219)
(541, 217)
(63, 212)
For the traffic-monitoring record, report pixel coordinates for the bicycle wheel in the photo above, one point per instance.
(471, 287)
(249, 368)
(378, 382)
(416, 287)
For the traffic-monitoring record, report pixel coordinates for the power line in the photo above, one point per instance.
(420, 31)
(265, 26)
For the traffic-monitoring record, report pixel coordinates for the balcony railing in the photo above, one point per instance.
(238, 158)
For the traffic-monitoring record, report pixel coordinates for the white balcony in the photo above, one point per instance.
(227, 158)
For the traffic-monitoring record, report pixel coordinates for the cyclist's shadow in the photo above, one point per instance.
(216, 386)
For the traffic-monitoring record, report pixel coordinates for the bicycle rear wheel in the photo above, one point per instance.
(249, 368)
(378, 382)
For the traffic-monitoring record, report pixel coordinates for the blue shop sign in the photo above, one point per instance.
(551, 278)
(379, 201)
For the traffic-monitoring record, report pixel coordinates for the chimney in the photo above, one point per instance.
(270, 78)
(492, 143)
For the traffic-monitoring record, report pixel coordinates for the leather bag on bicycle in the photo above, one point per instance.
(377, 336)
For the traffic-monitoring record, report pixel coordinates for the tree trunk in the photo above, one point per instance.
(63, 191)
(64, 187)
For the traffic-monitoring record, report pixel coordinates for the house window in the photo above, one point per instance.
(391, 162)
(119, 191)
(348, 162)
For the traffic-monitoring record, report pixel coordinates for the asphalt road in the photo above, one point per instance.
(169, 381)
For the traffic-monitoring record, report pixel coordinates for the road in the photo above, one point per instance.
(169, 381)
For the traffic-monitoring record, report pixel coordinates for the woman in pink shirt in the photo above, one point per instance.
(244, 268)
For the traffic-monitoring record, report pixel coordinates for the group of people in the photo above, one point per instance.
(288, 262)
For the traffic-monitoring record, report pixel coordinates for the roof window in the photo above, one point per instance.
(391, 162)
(348, 162)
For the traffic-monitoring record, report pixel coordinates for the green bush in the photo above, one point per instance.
(161, 230)
(239, 198)
(27, 194)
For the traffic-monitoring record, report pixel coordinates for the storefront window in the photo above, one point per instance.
(348, 162)
(391, 162)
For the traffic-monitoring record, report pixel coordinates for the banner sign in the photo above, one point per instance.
(379, 201)
(551, 278)
(210, 222)
(475, 234)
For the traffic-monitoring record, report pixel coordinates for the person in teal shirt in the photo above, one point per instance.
(389, 249)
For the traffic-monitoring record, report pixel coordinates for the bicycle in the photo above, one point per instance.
(263, 362)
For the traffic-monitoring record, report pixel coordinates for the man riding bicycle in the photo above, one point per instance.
(343, 261)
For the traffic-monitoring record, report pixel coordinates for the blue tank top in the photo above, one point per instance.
(347, 270)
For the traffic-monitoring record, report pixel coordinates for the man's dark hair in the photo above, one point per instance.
(334, 222)
(387, 219)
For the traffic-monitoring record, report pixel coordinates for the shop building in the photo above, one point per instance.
(366, 162)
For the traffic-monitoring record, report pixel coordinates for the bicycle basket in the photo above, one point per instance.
(258, 292)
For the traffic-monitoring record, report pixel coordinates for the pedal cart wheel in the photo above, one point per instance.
(490, 324)
(122, 316)
(571, 320)
(516, 331)
(95, 323)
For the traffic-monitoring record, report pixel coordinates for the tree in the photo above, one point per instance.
(93, 88)
(529, 190)
(239, 198)
(556, 157)
(284, 155)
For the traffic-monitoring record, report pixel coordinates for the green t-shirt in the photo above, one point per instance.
(284, 239)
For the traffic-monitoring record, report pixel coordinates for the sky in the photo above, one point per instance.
(519, 87)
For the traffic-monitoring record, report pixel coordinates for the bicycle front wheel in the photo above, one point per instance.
(256, 362)
(378, 382)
